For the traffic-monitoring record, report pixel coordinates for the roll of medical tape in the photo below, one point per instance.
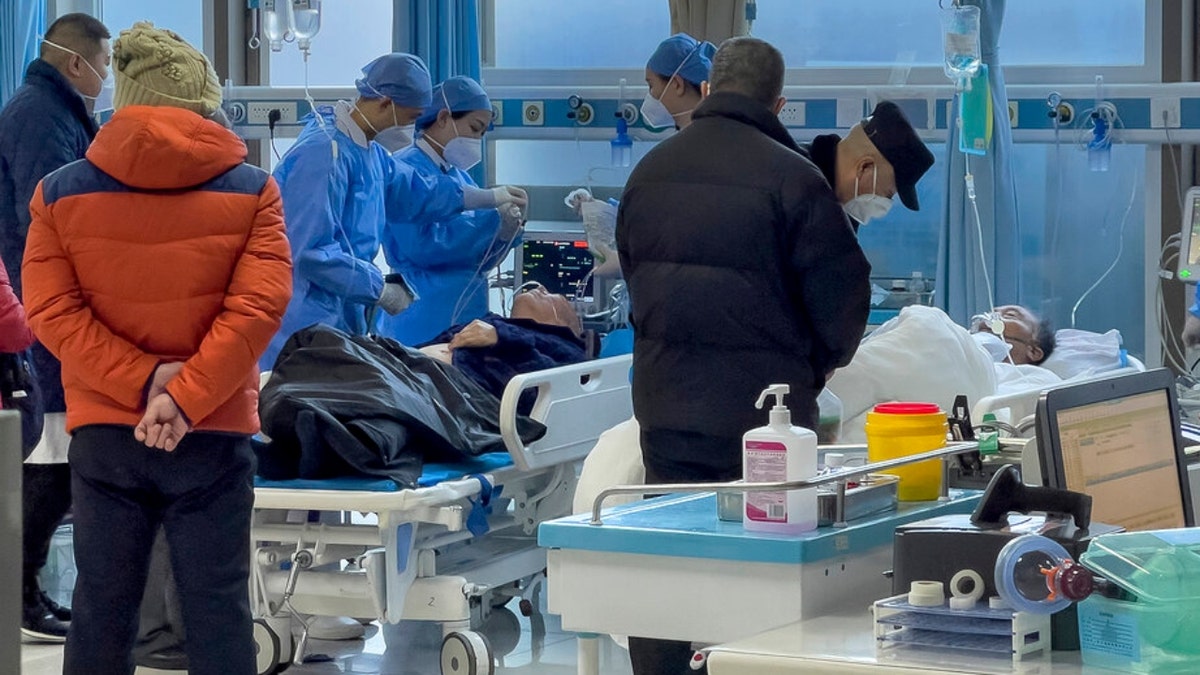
(956, 585)
(962, 602)
(926, 594)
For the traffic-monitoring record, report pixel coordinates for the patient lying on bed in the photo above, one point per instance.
(921, 355)
(1025, 339)
(542, 331)
(340, 405)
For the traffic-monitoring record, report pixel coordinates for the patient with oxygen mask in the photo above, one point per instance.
(1014, 334)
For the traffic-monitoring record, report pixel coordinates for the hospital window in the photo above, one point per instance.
(185, 17)
(557, 34)
(1111, 33)
(347, 41)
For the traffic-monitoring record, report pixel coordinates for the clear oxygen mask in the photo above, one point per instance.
(1035, 574)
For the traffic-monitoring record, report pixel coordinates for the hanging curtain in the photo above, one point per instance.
(445, 34)
(21, 22)
(712, 20)
(961, 289)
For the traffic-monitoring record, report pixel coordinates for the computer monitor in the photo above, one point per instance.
(557, 262)
(1117, 439)
(1189, 243)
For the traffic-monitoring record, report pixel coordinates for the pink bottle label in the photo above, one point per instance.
(766, 462)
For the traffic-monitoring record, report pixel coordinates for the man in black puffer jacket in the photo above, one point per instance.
(743, 271)
(47, 124)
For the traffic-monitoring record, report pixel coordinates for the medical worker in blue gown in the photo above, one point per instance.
(674, 73)
(446, 260)
(340, 186)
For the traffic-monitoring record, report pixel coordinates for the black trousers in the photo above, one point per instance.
(202, 495)
(45, 499)
(680, 457)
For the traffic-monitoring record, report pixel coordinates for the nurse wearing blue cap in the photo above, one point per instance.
(446, 260)
(674, 73)
(340, 186)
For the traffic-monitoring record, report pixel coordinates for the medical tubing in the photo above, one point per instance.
(1169, 338)
(1055, 221)
(460, 303)
(949, 450)
(987, 280)
(1120, 250)
(1174, 163)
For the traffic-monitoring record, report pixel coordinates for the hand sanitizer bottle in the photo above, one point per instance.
(779, 452)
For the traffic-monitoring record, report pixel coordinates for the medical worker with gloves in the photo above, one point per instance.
(340, 187)
(674, 73)
(446, 260)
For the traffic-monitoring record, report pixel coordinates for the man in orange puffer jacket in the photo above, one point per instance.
(157, 269)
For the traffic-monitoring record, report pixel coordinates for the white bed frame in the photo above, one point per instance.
(1017, 408)
(415, 559)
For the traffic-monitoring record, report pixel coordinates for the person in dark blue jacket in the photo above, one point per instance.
(46, 124)
(542, 331)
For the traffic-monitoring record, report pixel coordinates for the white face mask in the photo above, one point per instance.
(396, 138)
(463, 152)
(102, 100)
(865, 208)
(392, 138)
(654, 111)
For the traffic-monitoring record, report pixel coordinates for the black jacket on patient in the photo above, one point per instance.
(340, 405)
(522, 346)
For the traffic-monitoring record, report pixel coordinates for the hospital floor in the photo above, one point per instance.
(410, 648)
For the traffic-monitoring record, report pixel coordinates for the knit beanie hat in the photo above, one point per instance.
(154, 66)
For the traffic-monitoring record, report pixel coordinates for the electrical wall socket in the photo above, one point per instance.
(792, 114)
(1014, 117)
(533, 113)
(497, 114)
(1167, 105)
(259, 112)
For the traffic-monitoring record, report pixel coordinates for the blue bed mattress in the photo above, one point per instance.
(431, 474)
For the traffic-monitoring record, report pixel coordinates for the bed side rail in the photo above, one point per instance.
(576, 403)
(1023, 404)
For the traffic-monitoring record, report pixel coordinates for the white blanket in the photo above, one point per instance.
(921, 355)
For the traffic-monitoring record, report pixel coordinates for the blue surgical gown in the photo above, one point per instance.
(337, 195)
(445, 260)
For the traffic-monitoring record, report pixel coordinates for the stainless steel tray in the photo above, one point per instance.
(875, 493)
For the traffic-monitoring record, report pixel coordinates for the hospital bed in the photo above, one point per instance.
(462, 542)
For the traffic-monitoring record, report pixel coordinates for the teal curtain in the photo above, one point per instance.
(961, 284)
(445, 33)
(21, 23)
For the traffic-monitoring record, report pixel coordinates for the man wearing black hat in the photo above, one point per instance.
(879, 158)
(743, 271)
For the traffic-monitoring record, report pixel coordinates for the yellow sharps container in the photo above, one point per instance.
(902, 429)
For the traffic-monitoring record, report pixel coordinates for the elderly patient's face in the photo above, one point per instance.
(1020, 332)
(536, 303)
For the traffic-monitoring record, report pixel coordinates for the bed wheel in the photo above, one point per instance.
(467, 653)
(502, 629)
(266, 649)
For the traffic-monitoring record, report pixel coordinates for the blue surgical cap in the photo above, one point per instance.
(400, 77)
(681, 48)
(456, 94)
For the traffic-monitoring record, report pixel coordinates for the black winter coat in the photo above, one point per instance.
(338, 405)
(743, 271)
(44, 126)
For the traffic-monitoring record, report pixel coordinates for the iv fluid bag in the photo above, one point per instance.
(275, 22)
(960, 40)
(306, 21)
